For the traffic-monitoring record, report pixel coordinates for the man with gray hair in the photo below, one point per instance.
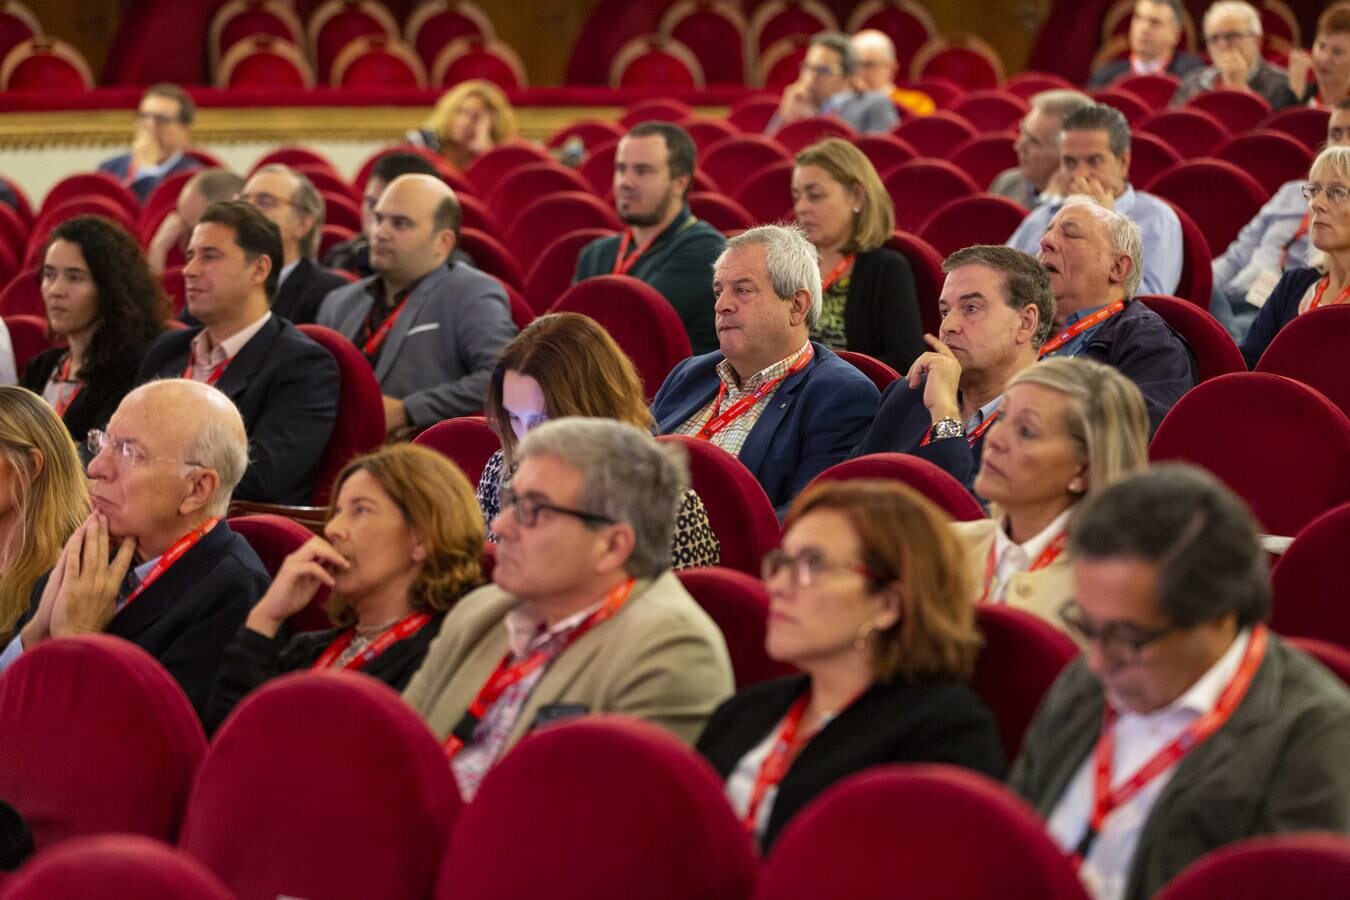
(584, 615)
(155, 562)
(826, 88)
(1094, 159)
(787, 406)
(1093, 257)
(1233, 38)
(203, 189)
(1037, 147)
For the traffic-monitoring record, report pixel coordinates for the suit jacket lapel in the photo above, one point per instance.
(419, 298)
(166, 591)
(756, 448)
(238, 375)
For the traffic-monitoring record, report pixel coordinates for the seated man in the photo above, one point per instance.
(1095, 160)
(787, 406)
(1155, 28)
(1233, 38)
(288, 199)
(877, 68)
(1093, 257)
(664, 245)
(432, 332)
(203, 189)
(825, 88)
(1208, 728)
(285, 385)
(163, 132)
(155, 563)
(354, 255)
(584, 615)
(1037, 146)
(997, 311)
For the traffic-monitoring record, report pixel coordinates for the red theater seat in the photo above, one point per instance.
(654, 61)
(797, 135)
(720, 211)
(751, 114)
(877, 372)
(1305, 124)
(739, 604)
(973, 64)
(530, 182)
(46, 64)
(907, 23)
(1306, 583)
(1197, 273)
(91, 184)
(27, 335)
(377, 61)
(1215, 352)
(992, 110)
(435, 24)
(331, 236)
(591, 133)
(491, 256)
(664, 109)
(551, 217)
(1271, 157)
(977, 219)
(706, 131)
(1239, 111)
(115, 865)
(1308, 349)
(920, 186)
(467, 58)
(21, 204)
(984, 156)
(780, 64)
(1150, 156)
(335, 24)
(926, 264)
(767, 194)
(17, 24)
(295, 157)
(1155, 90)
(732, 161)
(1021, 658)
(551, 273)
(936, 134)
(1219, 196)
(598, 169)
(1309, 866)
(775, 20)
(359, 427)
(714, 31)
(273, 538)
(1028, 84)
(885, 151)
(487, 171)
(239, 20)
(467, 441)
(1191, 132)
(22, 296)
(1131, 105)
(949, 494)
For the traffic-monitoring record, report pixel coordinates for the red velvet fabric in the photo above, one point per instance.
(616, 808)
(115, 865)
(1239, 111)
(708, 131)
(329, 182)
(1155, 90)
(992, 110)
(739, 604)
(21, 204)
(658, 67)
(907, 31)
(926, 264)
(1021, 658)
(1027, 84)
(378, 67)
(1218, 195)
(551, 274)
(294, 156)
(87, 205)
(912, 471)
(521, 313)
(322, 785)
(968, 68)
(906, 832)
(1307, 125)
(175, 285)
(359, 427)
(793, 21)
(592, 132)
(98, 738)
(531, 181)
(274, 538)
(476, 214)
(983, 157)
(22, 296)
(549, 218)
(663, 108)
(158, 40)
(1309, 866)
(934, 135)
(720, 211)
(1215, 352)
(885, 151)
(598, 169)
(921, 186)
(752, 114)
(1336, 657)
(162, 200)
(337, 32)
(1306, 583)
(331, 236)
(27, 335)
(13, 31)
(732, 161)
(449, 174)
(802, 133)
(1309, 349)
(716, 40)
(481, 62)
(876, 371)
(341, 209)
(1132, 106)
(944, 91)
(1191, 132)
(44, 71)
(1150, 156)
(488, 170)
(1197, 273)
(491, 256)
(1271, 157)
(13, 231)
(90, 184)
(767, 193)
(253, 21)
(440, 30)
(467, 441)
(977, 219)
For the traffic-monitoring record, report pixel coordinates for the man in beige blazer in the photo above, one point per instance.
(584, 616)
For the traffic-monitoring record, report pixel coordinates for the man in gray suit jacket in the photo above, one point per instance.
(825, 88)
(1208, 728)
(431, 332)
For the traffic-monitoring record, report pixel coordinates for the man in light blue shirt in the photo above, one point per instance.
(1095, 161)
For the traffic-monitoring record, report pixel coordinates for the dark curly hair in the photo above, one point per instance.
(131, 304)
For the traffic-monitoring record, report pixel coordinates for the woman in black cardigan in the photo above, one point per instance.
(869, 302)
(868, 598)
(102, 298)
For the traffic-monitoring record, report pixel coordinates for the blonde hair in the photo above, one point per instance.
(846, 164)
(503, 126)
(50, 497)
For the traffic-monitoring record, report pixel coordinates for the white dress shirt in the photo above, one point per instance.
(1011, 558)
(206, 355)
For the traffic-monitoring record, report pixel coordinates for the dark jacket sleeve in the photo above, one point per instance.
(881, 313)
(900, 424)
(1141, 346)
(1280, 307)
(254, 659)
(843, 408)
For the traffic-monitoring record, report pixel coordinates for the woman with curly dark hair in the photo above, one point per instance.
(101, 297)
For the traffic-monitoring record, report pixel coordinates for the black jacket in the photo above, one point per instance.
(881, 311)
(1112, 70)
(94, 405)
(902, 421)
(299, 296)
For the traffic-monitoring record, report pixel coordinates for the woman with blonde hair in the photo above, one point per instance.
(869, 301)
(402, 544)
(44, 497)
(1067, 427)
(470, 119)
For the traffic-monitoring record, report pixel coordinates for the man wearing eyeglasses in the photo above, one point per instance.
(1233, 39)
(155, 563)
(825, 88)
(584, 615)
(1185, 724)
(163, 132)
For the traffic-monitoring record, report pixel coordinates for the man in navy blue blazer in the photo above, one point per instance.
(159, 148)
(785, 405)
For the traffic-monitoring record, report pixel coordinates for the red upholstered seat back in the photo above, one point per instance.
(739, 604)
(976, 219)
(1021, 657)
(802, 133)
(1130, 104)
(1191, 132)
(22, 296)
(467, 441)
(530, 182)
(438, 30)
(1239, 111)
(90, 184)
(1308, 866)
(1150, 156)
(1271, 157)
(935, 484)
(714, 35)
(359, 427)
(273, 538)
(1306, 124)
(983, 157)
(1335, 657)
(46, 71)
(920, 186)
(1310, 349)
(992, 110)
(970, 68)
(767, 193)
(935, 135)
(1219, 196)
(115, 865)
(549, 218)
(343, 26)
(885, 151)
(554, 265)
(732, 161)
(720, 211)
(1155, 90)
(752, 114)
(491, 256)
(1215, 352)
(876, 371)
(1197, 273)
(926, 264)
(27, 337)
(1306, 584)
(487, 171)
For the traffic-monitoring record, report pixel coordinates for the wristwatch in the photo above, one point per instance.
(948, 428)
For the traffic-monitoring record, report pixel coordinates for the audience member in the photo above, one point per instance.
(289, 200)
(155, 563)
(354, 255)
(585, 615)
(868, 300)
(565, 364)
(1233, 39)
(786, 406)
(1300, 290)
(877, 68)
(1094, 257)
(997, 311)
(664, 244)
(1067, 428)
(8, 365)
(43, 498)
(867, 599)
(1208, 728)
(158, 150)
(1095, 161)
(1155, 28)
(1032, 181)
(206, 187)
(285, 385)
(826, 88)
(470, 119)
(431, 331)
(103, 300)
(1329, 61)
(403, 542)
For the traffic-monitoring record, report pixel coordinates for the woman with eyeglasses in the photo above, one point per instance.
(1326, 280)
(1067, 427)
(403, 542)
(565, 364)
(867, 597)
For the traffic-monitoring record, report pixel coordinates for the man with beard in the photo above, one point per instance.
(664, 244)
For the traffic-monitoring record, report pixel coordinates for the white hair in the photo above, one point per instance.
(1125, 237)
(792, 260)
(1237, 8)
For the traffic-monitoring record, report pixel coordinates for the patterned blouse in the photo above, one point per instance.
(830, 330)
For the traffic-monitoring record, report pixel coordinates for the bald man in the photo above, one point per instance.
(877, 68)
(431, 331)
(155, 562)
(201, 190)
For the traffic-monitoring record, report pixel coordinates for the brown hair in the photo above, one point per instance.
(580, 369)
(873, 224)
(438, 503)
(908, 542)
(1335, 19)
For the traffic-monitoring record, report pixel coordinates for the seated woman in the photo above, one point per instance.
(565, 364)
(1327, 281)
(1067, 427)
(100, 297)
(868, 599)
(402, 544)
(869, 303)
(44, 497)
(469, 120)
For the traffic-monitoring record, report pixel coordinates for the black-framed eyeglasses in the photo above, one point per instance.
(527, 508)
(809, 567)
(1121, 641)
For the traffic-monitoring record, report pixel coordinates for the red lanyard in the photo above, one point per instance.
(215, 373)
(1048, 555)
(837, 272)
(64, 377)
(1080, 326)
(376, 340)
(623, 262)
(720, 420)
(171, 556)
(1299, 232)
(971, 439)
(1322, 289)
(406, 627)
(509, 673)
(1105, 799)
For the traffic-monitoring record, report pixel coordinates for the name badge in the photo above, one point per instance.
(1260, 290)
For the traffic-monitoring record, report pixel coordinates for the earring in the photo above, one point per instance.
(857, 209)
(864, 632)
(1076, 486)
